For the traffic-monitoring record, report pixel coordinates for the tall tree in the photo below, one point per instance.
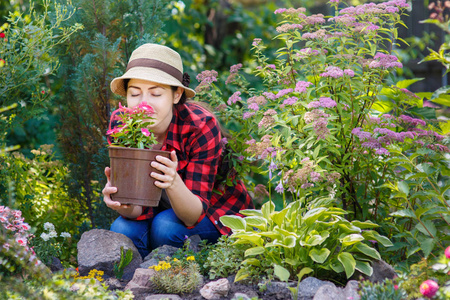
(113, 29)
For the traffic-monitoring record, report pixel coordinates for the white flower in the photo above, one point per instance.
(45, 236)
(49, 226)
(52, 234)
(65, 235)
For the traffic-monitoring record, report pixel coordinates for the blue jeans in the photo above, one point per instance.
(164, 229)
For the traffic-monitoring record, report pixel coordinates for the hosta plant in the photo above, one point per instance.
(300, 240)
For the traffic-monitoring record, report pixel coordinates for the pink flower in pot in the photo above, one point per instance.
(429, 288)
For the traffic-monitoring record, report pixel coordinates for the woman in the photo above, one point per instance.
(192, 134)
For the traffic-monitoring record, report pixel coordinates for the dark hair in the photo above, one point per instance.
(186, 81)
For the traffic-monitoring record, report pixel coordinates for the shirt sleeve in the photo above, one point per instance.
(203, 158)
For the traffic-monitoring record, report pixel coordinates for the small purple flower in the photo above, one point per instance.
(279, 189)
(272, 167)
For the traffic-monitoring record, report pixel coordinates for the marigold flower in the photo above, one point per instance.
(190, 258)
(429, 288)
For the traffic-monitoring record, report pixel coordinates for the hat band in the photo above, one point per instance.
(156, 64)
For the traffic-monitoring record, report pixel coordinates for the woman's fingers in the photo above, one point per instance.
(108, 173)
(168, 168)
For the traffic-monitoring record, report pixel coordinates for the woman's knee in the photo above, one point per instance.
(167, 229)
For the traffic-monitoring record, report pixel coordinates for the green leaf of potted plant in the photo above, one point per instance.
(133, 148)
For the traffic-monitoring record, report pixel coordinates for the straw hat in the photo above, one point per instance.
(154, 63)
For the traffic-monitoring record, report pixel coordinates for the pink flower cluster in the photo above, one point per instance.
(206, 78)
(287, 27)
(141, 111)
(259, 100)
(375, 9)
(256, 42)
(385, 61)
(301, 86)
(307, 52)
(290, 11)
(234, 98)
(12, 220)
(413, 121)
(261, 149)
(234, 69)
(319, 34)
(337, 72)
(289, 101)
(325, 102)
(283, 92)
(320, 122)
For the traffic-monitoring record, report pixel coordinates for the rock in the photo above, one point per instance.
(331, 292)
(277, 290)
(56, 265)
(163, 297)
(351, 290)
(309, 286)
(240, 296)
(142, 278)
(100, 249)
(113, 284)
(381, 271)
(149, 263)
(215, 289)
(138, 290)
(194, 242)
(161, 253)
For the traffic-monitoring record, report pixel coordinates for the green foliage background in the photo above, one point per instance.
(64, 185)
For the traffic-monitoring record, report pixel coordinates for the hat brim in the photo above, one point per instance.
(149, 74)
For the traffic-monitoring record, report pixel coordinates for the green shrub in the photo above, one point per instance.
(224, 258)
(387, 289)
(177, 276)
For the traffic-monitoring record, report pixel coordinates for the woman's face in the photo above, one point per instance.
(159, 96)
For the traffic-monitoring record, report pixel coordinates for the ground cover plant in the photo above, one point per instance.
(332, 121)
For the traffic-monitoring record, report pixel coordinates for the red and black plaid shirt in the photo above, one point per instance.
(195, 136)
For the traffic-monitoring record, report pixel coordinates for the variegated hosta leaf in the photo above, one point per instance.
(236, 223)
(319, 255)
(351, 239)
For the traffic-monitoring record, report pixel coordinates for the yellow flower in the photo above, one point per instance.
(175, 259)
(190, 257)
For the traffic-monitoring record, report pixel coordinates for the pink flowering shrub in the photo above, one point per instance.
(17, 233)
(332, 125)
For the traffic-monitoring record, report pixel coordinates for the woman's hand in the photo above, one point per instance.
(168, 166)
(108, 190)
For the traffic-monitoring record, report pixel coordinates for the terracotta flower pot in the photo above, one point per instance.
(130, 173)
